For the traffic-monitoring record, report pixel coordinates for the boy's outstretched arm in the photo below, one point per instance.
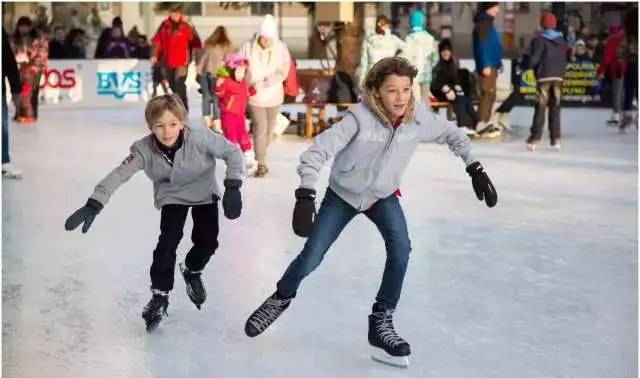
(104, 190)
(222, 149)
(118, 176)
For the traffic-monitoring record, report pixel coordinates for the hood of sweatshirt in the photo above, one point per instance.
(552, 35)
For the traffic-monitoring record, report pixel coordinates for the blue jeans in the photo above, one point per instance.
(5, 130)
(209, 99)
(464, 109)
(630, 86)
(333, 216)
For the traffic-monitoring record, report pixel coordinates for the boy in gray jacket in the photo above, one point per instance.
(181, 163)
(372, 146)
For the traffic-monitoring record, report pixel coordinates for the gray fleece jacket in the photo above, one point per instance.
(190, 181)
(371, 156)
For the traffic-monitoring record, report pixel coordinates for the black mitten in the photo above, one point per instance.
(86, 214)
(482, 184)
(304, 213)
(232, 198)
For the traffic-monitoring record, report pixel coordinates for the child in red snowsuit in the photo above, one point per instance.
(233, 95)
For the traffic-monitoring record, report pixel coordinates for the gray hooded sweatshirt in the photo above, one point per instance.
(191, 180)
(371, 156)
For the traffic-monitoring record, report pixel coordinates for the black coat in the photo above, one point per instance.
(444, 73)
(9, 66)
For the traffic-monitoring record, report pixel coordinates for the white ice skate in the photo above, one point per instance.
(282, 123)
(10, 171)
(250, 163)
(615, 120)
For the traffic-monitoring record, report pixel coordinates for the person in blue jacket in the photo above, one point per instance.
(487, 52)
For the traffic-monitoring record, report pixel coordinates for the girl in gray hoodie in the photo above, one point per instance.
(371, 146)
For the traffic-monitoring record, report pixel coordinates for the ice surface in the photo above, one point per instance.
(543, 285)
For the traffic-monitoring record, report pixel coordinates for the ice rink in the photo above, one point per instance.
(542, 286)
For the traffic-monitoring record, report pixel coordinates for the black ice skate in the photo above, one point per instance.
(156, 309)
(266, 314)
(389, 348)
(195, 287)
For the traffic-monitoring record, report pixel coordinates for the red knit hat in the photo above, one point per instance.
(548, 21)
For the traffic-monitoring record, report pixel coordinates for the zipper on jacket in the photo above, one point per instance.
(384, 152)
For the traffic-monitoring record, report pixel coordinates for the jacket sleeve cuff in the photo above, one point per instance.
(308, 180)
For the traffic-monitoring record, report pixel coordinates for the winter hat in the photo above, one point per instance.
(548, 21)
(485, 6)
(416, 20)
(580, 42)
(615, 29)
(445, 44)
(268, 28)
(235, 60)
(117, 21)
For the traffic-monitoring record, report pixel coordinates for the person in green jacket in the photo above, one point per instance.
(379, 45)
(424, 48)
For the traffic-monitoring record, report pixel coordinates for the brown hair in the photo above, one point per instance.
(377, 75)
(381, 22)
(389, 66)
(159, 104)
(220, 36)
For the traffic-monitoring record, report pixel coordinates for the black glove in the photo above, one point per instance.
(482, 184)
(232, 199)
(304, 213)
(86, 214)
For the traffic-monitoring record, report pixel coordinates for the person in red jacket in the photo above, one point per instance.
(614, 63)
(233, 94)
(173, 43)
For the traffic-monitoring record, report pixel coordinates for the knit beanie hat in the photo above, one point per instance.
(268, 29)
(548, 21)
(445, 44)
(416, 20)
(615, 28)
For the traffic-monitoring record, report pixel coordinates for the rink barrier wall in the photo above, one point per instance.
(115, 83)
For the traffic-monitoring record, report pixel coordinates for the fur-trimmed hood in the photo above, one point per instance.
(373, 103)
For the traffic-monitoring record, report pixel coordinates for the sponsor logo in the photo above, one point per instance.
(58, 79)
(119, 84)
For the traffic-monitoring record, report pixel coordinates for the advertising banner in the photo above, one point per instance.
(581, 86)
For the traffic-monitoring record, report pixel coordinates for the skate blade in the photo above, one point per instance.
(381, 356)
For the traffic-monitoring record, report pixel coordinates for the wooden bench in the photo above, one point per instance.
(312, 129)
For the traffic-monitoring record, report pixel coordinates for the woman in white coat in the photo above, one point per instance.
(269, 61)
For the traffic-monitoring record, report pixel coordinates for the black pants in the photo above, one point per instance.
(35, 98)
(204, 237)
(549, 94)
(512, 100)
(177, 77)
